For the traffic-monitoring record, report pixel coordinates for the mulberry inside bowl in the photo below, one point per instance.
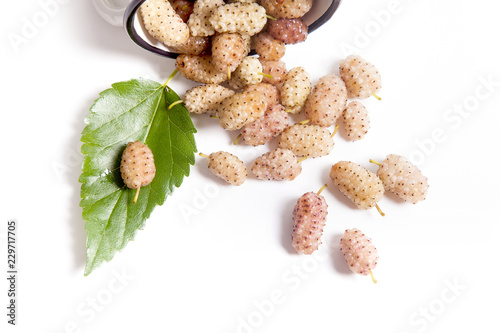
(320, 13)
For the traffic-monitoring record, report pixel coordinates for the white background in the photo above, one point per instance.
(214, 262)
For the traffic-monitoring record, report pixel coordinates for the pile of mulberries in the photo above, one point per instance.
(258, 97)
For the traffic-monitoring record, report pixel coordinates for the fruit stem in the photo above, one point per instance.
(380, 210)
(303, 122)
(322, 189)
(204, 155)
(174, 104)
(171, 77)
(302, 159)
(269, 76)
(237, 139)
(213, 116)
(375, 162)
(335, 130)
(377, 96)
(271, 17)
(228, 73)
(373, 277)
(137, 195)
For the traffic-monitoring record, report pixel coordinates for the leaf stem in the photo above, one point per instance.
(174, 73)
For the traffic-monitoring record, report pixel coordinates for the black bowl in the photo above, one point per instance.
(319, 14)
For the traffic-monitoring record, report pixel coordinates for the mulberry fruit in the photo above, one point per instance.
(270, 92)
(402, 178)
(327, 101)
(245, 18)
(309, 217)
(307, 140)
(249, 71)
(240, 109)
(262, 130)
(227, 167)
(359, 252)
(268, 47)
(193, 46)
(228, 49)
(287, 8)
(361, 186)
(361, 78)
(278, 164)
(295, 90)
(199, 69)
(356, 121)
(206, 98)
(163, 23)
(199, 21)
(275, 70)
(289, 31)
(137, 166)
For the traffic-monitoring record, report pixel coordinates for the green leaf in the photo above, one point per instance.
(130, 111)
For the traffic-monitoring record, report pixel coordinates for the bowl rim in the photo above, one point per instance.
(133, 7)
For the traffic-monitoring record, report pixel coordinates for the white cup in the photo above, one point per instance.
(111, 10)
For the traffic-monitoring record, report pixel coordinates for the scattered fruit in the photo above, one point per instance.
(307, 140)
(227, 167)
(199, 69)
(402, 178)
(267, 93)
(359, 252)
(278, 164)
(361, 186)
(267, 127)
(206, 98)
(240, 109)
(327, 101)
(295, 90)
(361, 78)
(309, 217)
(356, 121)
